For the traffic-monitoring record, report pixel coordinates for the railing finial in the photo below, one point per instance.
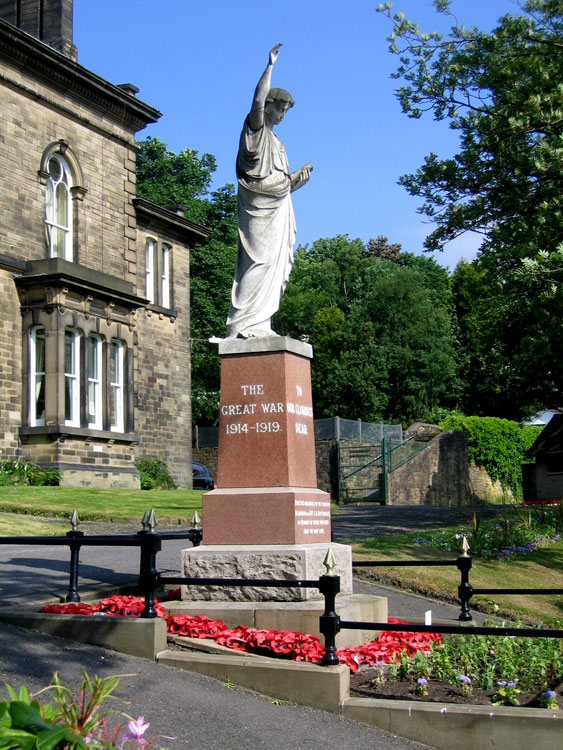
(152, 523)
(74, 520)
(464, 547)
(329, 562)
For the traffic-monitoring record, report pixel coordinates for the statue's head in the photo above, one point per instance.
(277, 103)
(280, 95)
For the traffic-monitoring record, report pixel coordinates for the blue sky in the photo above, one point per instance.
(198, 61)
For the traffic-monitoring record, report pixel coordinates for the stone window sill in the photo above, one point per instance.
(55, 431)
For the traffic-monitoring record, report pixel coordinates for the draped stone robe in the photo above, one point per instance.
(266, 233)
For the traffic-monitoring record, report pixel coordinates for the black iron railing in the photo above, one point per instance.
(465, 590)
(75, 540)
(150, 580)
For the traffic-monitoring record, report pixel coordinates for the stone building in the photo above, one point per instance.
(94, 281)
(543, 480)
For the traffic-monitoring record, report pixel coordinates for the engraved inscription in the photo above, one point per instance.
(261, 407)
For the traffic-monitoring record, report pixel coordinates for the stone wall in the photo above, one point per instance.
(106, 155)
(208, 457)
(10, 368)
(51, 106)
(438, 475)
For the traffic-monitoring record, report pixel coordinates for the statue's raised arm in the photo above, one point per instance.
(266, 225)
(256, 114)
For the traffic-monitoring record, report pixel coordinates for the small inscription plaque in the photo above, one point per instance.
(313, 516)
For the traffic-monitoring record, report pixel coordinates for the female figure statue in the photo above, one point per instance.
(266, 225)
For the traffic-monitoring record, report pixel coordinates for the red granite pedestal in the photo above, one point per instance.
(267, 518)
(267, 479)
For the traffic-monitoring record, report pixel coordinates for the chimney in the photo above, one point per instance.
(50, 21)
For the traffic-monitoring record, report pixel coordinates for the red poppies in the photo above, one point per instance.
(285, 643)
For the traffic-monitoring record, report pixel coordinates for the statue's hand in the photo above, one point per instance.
(301, 176)
(274, 52)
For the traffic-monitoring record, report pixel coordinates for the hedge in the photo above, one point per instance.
(498, 445)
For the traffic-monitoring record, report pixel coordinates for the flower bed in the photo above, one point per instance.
(284, 643)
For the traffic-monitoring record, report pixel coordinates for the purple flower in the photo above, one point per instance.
(511, 683)
(422, 681)
(136, 730)
(464, 678)
(548, 694)
(501, 683)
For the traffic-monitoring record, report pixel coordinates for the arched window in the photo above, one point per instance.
(60, 172)
(58, 208)
(37, 377)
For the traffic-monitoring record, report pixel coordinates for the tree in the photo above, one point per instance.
(502, 92)
(185, 179)
(380, 330)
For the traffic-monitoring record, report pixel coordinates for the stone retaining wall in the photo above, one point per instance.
(440, 475)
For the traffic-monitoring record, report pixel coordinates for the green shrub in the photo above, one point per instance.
(498, 445)
(27, 473)
(154, 474)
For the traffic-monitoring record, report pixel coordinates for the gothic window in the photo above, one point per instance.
(37, 379)
(58, 208)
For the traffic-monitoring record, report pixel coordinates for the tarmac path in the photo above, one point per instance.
(198, 711)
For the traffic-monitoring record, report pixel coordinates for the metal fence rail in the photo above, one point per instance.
(150, 543)
(75, 540)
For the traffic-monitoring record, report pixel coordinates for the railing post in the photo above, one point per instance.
(196, 532)
(151, 544)
(329, 586)
(73, 595)
(74, 534)
(464, 590)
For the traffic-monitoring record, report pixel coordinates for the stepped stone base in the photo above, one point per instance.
(289, 561)
(302, 617)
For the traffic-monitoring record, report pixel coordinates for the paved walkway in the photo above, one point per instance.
(201, 712)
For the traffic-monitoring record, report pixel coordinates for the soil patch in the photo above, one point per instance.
(361, 686)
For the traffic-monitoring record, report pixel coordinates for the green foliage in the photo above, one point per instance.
(501, 91)
(154, 474)
(68, 723)
(487, 662)
(27, 473)
(515, 533)
(498, 445)
(379, 322)
(532, 662)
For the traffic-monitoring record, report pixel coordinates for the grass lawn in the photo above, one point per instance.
(170, 506)
(29, 527)
(542, 568)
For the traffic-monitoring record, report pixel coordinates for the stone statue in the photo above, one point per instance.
(266, 225)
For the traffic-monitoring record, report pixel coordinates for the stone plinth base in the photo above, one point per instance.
(283, 561)
(302, 617)
(266, 515)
